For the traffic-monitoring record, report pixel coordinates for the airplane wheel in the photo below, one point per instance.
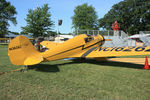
(22, 70)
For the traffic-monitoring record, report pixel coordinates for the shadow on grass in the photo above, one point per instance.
(48, 67)
(44, 68)
(111, 63)
(55, 68)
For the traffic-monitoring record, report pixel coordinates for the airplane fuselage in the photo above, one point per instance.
(76, 46)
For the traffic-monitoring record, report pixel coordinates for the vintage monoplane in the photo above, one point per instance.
(22, 52)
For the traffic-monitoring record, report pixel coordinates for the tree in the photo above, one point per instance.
(38, 22)
(16, 33)
(85, 18)
(7, 12)
(133, 15)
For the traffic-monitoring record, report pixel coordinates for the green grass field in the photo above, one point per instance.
(74, 80)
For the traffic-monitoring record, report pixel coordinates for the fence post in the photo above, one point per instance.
(108, 33)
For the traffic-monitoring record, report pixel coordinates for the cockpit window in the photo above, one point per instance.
(88, 39)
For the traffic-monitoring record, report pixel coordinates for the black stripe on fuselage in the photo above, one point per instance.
(66, 51)
(75, 48)
(87, 52)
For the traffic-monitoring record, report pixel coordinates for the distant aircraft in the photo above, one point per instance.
(22, 52)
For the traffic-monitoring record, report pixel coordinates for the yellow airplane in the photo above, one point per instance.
(22, 52)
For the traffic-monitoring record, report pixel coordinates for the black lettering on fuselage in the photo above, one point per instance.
(15, 47)
(124, 49)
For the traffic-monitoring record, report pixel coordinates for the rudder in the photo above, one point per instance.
(22, 52)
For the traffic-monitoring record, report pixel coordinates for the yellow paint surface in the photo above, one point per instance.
(130, 60)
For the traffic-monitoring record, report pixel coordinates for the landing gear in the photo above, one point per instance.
(24, 69)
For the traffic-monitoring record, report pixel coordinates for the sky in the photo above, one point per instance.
(60, 9)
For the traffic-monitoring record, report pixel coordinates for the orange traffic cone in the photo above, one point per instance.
(146, 66)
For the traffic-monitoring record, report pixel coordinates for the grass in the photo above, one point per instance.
(74, 80)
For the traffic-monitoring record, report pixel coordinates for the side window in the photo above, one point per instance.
(88, 39)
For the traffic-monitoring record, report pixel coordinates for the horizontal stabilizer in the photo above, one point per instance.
(49, 44)
(33, 60)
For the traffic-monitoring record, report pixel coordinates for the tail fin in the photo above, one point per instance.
(22, 52)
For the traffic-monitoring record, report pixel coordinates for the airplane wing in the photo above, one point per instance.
(118, 51)
(49, 44)
(113, 51)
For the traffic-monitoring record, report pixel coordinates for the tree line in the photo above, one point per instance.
(133, 15)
